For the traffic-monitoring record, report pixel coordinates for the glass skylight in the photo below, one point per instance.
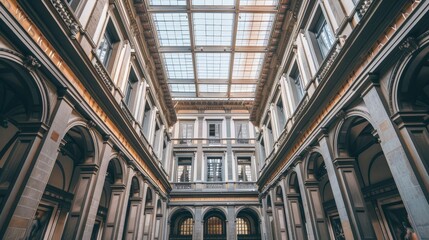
(182, 87)
(213, 65)
(167, 2)
(243, 88)
(254, 29)
(172, 29)
(259, 2)
(178, 65)
(213, 88)
(213, 2)
(213, 29)
(247, 65)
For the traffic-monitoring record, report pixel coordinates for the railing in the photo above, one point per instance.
(232, 186)
(213, 141)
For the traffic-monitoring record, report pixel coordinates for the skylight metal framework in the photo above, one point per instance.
(212, 48)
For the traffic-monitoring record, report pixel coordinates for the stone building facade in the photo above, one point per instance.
(333, 146)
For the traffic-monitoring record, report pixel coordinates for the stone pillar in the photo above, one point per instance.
(198, 224)
(97, 188)
(42, 152)
(112, 224)
(317, 219)
(199, 161)
(306, 197)
(79, 209)
(403, 173)
(294, 220)
(132, 226)
(347, 194)
(231, 232)
(141, 216)
(229, 160)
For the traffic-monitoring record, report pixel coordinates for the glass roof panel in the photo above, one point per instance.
(178, 65)
(213, 65)
(213, 88)
(213, 2)
(167, 2)
(213, 29)
(254, 29)
(247, 65)
(259, 2)
(182, 87)
(172, 29)
(243, 88)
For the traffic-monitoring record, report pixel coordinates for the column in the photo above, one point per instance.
(142, 212)
(198, 224)
(229, 160)
(405, 178)
(199, 161)
(135, 206)
(44, 161)
(295, 223)
(347, 194)
(97, 189)
(79, 210)
(231, 233)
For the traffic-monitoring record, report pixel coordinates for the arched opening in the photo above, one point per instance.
(181, 225)
(269, 217)
(21, 113)
(412, 100)
(214, 225)
(374, 182)
(316, 170)
(148, 213)
(247, 225)
(63, 197)
(107, 217)
(133, 210)
(298, 220)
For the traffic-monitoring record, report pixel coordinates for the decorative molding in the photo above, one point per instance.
(31, 63)
(67, 16)
(103, 73)
(408, 45)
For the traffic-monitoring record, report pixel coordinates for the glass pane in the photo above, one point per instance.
(172, 29)
(247, 65)
(213, 88)
(243, 87)
(167, 2)
(213, 65)
(184, 173)
(186, 227)
(259, 2)
(214, 169)
(213, 2)
(213, 29)
(214, 226)
(243, 226)
(178, 65)
(182, 87)
(254, 29)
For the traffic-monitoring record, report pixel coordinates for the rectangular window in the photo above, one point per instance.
(105, 48)
(146, 119)
(214, 132)
(242, 132)
(324, 36)
(244, 169)
(214, 169)
(186, 131)
(281, 113)
(184, 169)
(296, 85)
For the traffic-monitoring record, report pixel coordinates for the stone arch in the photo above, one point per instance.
(181, 224)
(342, 130)
(415, 51)
(312, 163)
(248, 224)
(215, 226)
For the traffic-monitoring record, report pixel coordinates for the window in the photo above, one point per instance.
(214, 169)
(73, 4)
(146, 119)
(323, 35)
(281, 113)
(296, 86)
(186, 131)
(243, 226)
(214, 132)
(244, 169)
(186, 227)
(242, 131)
(214, 226)
(105, 49)
(184, 169)
(130, 89)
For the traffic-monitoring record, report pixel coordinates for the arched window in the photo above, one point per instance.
(182, 225)
(247, 225)
(214, 226)
(243, 226)
(186, 227)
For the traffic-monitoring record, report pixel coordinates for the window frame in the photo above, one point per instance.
(191, 159)
(214, 139)
(222, 165)
(250, 164)
(187, 122)
(110, 33)
(242, 140)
